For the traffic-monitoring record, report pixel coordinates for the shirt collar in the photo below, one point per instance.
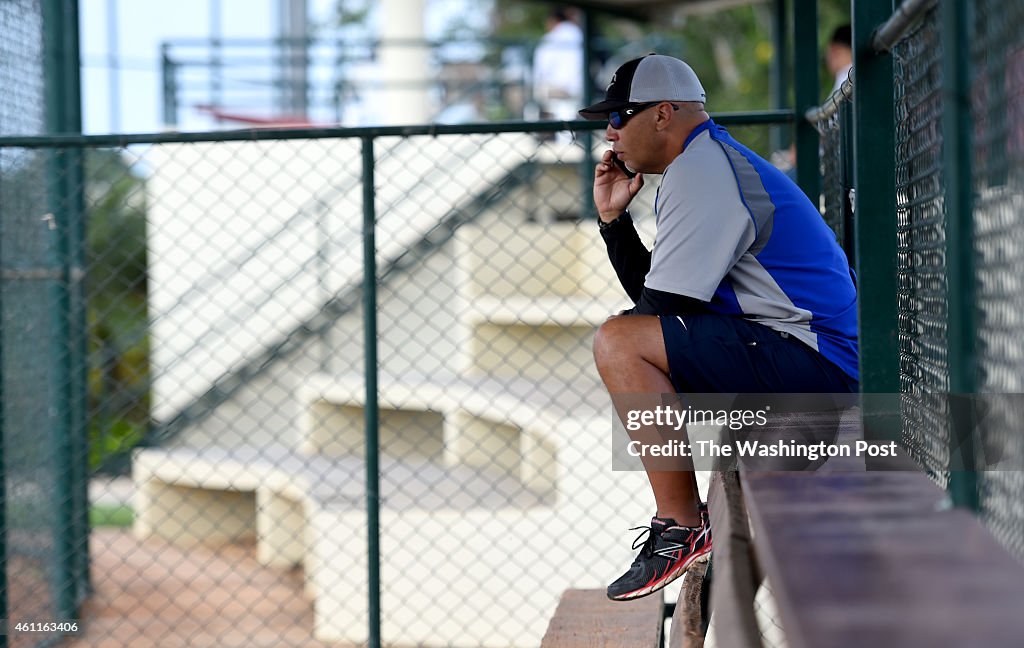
(707, 125)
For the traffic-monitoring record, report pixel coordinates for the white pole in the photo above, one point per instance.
(404, 63)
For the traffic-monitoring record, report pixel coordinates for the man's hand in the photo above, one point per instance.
(613, 189)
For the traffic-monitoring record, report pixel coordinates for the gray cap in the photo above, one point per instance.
(654, 77)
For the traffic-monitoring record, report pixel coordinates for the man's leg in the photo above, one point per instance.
(630, 355)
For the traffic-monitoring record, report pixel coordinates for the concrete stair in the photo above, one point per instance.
(514, 441)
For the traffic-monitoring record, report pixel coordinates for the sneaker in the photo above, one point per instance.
(664, 555)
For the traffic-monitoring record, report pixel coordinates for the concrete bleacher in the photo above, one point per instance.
(509, 441)
(242, 256)
(306, 507)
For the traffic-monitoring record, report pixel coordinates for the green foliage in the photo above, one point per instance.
(519, 20)
(117, 319)
(111, 440)
(351, 12)
(101, 515)
(731, 49)
(116, 230)
(116, 296)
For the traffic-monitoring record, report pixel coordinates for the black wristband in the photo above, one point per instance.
(602, 225)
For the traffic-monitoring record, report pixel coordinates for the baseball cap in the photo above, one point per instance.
(653, 77)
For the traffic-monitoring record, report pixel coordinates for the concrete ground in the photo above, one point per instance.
(151, 593)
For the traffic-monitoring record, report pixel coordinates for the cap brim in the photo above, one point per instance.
(601, 109)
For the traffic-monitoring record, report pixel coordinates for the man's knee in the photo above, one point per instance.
(609, 339)
(627, 336)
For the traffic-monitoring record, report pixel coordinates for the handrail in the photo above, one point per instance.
(757, 117)
(830, 107)
(902, 20)
(884, 38)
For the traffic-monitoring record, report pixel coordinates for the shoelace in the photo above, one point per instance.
(645, 544)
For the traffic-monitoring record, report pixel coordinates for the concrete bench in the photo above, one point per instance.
(305, 507)
(268, 495)
(534, 295)
(538, 338)
(217, 495)
(586, 618)
(507, 426)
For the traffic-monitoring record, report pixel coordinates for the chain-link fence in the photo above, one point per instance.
(228, 380)
(227, 385)
(832, 186)
(42, 483)
(921, 222)
(997, 94)
(833, 122)
(923, 188)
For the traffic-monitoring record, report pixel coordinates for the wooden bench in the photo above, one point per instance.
(586, 618)
(878, 558)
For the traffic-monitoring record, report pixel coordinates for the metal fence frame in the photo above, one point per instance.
(68, 153)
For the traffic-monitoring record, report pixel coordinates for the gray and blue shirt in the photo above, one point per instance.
(734, 233)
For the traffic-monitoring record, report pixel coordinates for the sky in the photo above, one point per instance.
(121, 61)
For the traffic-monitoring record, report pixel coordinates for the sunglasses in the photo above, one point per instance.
(618, 118)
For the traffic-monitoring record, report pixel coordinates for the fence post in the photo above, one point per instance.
(780, 137)
(68, 377)
(961, 327)
(874, 137)
(805, 86)
(169, 76)
(4, 616)
(372, 405)
(846, 182)
(586, 137)
(78, 349)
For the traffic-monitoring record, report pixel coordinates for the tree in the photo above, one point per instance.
(117, 316)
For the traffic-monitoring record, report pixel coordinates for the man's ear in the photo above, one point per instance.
(663, 115)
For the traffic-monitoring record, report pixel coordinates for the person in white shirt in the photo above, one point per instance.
(558, 67)
(839, 55)
(839, 61)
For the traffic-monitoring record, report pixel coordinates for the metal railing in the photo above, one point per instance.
(337, 80)
(267, 308)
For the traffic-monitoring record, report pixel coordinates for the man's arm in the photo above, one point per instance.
(630, 258)
(613, 191)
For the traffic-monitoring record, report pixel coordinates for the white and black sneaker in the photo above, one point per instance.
(665, 553)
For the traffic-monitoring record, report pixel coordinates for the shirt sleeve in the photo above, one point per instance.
(629, 256)
(703, 227)
(656, 302)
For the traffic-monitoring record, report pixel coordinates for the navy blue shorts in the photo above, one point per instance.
(710, 353)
